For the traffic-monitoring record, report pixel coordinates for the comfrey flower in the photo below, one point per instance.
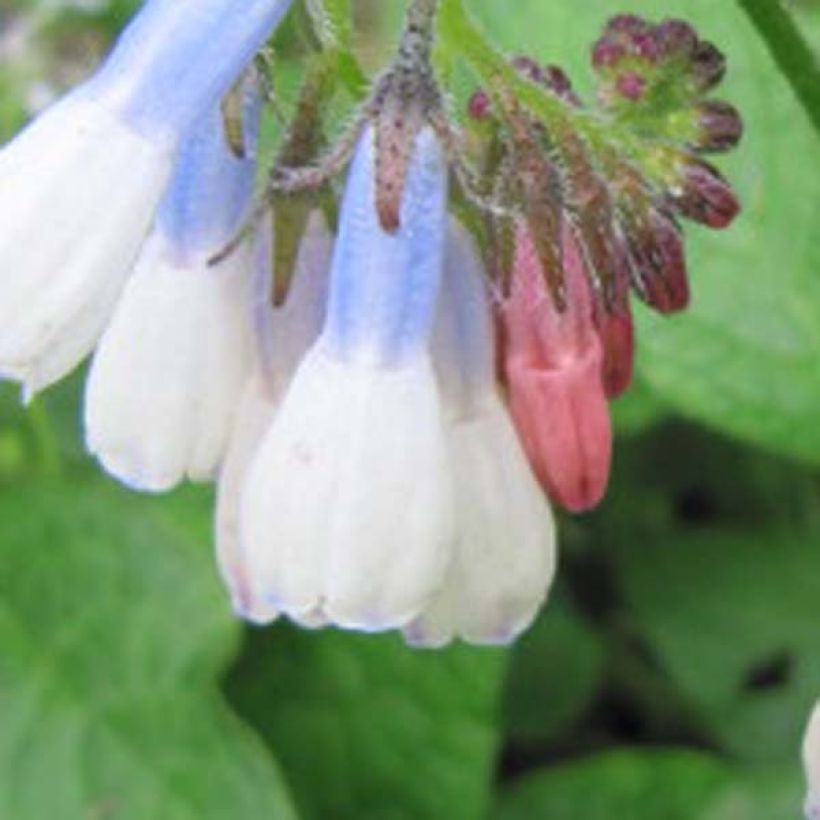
(283, 335)
(504, 552)
(346, 511)
(165, 378)
(811, 764)
(378, 409)
(79, 187)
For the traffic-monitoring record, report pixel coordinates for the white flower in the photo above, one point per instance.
(79, 187)
(78, 191)
(166, 378)
(811, 764)
(283, 335)
(346, 512)
(504, 559)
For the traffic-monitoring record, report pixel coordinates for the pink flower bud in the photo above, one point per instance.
(554, 364)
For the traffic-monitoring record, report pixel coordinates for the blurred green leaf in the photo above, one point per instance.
(114, 632)
(745, 357)
(733, 618)
(659, 785)
(367, 728)
(555, 672)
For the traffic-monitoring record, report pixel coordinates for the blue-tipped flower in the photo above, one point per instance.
(504, 557)
(283, 336)
(79, 187)
(346, 512)
(169, 369)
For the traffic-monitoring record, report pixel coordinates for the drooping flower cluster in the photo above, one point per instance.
(378, 428)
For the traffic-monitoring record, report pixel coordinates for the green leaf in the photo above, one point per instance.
(744, 359)
(644, 785)
(366, 727)
(555, 672)
(114, 633)
(733, 619)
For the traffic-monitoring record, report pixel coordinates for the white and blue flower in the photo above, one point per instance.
(80, 186)
(504, 557)
(346, 512)
(167, 375)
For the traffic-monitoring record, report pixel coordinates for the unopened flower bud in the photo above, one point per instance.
(554, 366)
(676, 37)
(705, 196)
(720, 126)
(631, 85)
(708, 66)
(480, 106)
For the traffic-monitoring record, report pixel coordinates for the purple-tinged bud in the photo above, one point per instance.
(627, 24)
(529, 68)
(705, 196)
(631, 86)
(607, 53)
(708, 66)
(676, 37)
(720, 126)
(479, 108)
(658, 262)
(646, 47)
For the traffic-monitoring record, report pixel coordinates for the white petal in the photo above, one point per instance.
(811, 764)
(286, 333)
(167, 376)
(256, 410)
(347, 506)
(505, 554)
(78, 191)
(504, 559)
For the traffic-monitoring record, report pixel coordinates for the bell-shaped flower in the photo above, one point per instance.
(811, 765)
(167, 375)
(504, 557)
(554, 366)
(79, 186)
(346, 511)
(282, 335)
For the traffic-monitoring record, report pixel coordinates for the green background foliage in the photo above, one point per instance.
(670, 675)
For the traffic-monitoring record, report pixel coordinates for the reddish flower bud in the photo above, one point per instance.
(554, 364)
(720, 126)
(630, 85)
(617, 334)
(479, 107)
(658, 261)
(705, 196)
(606, 53)
(627, 25)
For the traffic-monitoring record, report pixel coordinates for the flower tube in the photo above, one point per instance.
(346, 512)
(283, 335)
(80, 185)
(504, 558)
(170, 367)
